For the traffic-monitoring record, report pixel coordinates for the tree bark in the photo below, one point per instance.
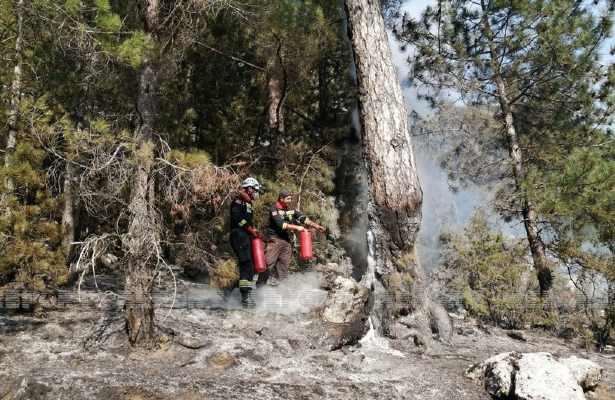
(275, 115)
(323, 90)
(276, 93)
(143, 242)
(69, 214)
(13, 118)
(395, 196)
(537, 249)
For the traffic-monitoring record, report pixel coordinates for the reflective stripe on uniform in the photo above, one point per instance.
(245, 283)
(248, 283)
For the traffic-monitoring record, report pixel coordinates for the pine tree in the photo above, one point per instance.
(32, 255)
(514, 56)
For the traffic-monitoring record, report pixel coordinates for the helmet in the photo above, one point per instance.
(251, 182)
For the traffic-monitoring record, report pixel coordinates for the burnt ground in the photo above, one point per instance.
(218, 351)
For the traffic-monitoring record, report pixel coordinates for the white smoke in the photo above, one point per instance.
(443, 208)
(299, 294)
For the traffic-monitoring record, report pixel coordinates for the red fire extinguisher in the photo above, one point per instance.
(258, 255)
(305, 245)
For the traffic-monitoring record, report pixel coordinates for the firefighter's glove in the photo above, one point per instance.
(253, 232)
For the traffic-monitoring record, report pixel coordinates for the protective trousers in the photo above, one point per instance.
(278, 255)
(242, 246)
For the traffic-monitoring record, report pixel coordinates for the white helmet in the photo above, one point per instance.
(251, 182)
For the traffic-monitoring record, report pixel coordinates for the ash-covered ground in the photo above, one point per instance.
(210, 349)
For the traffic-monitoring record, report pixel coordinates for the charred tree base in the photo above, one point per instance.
(140, 326)
(545, 281)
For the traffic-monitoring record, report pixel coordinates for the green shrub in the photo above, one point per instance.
(491, 271)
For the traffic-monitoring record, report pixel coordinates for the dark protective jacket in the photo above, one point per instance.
(241, 214)
(279, 216)
(241, 222)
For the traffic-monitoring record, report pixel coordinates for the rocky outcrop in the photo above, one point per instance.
(539, 376)
(330, 271)
(587, 373)
(346, 312)
(23, 388)
(497, 373)
(536, 376)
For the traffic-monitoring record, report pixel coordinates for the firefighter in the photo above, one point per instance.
(282, 221)
(242, 232)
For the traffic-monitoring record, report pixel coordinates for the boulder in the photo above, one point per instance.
(23, 388)
(345, 312)
(420, 328)
(540, 376)
(587, 373)
(536, 376)
(497, 373)
(330, 271)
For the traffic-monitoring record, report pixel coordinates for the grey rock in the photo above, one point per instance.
(330, 272)
(477, 371)
(497, 373)
(499, 377)
(532, 376)
(587, 373)
(541, 377)
(418, 324)
(345, 313)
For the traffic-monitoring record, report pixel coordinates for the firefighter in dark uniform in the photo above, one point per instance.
(283, 220)
(242, 232)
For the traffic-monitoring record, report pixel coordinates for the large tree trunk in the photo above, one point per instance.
(143, 239)
(537, 249)
(11, 142)
(275, 116)
(395, 196)
(276, 93)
